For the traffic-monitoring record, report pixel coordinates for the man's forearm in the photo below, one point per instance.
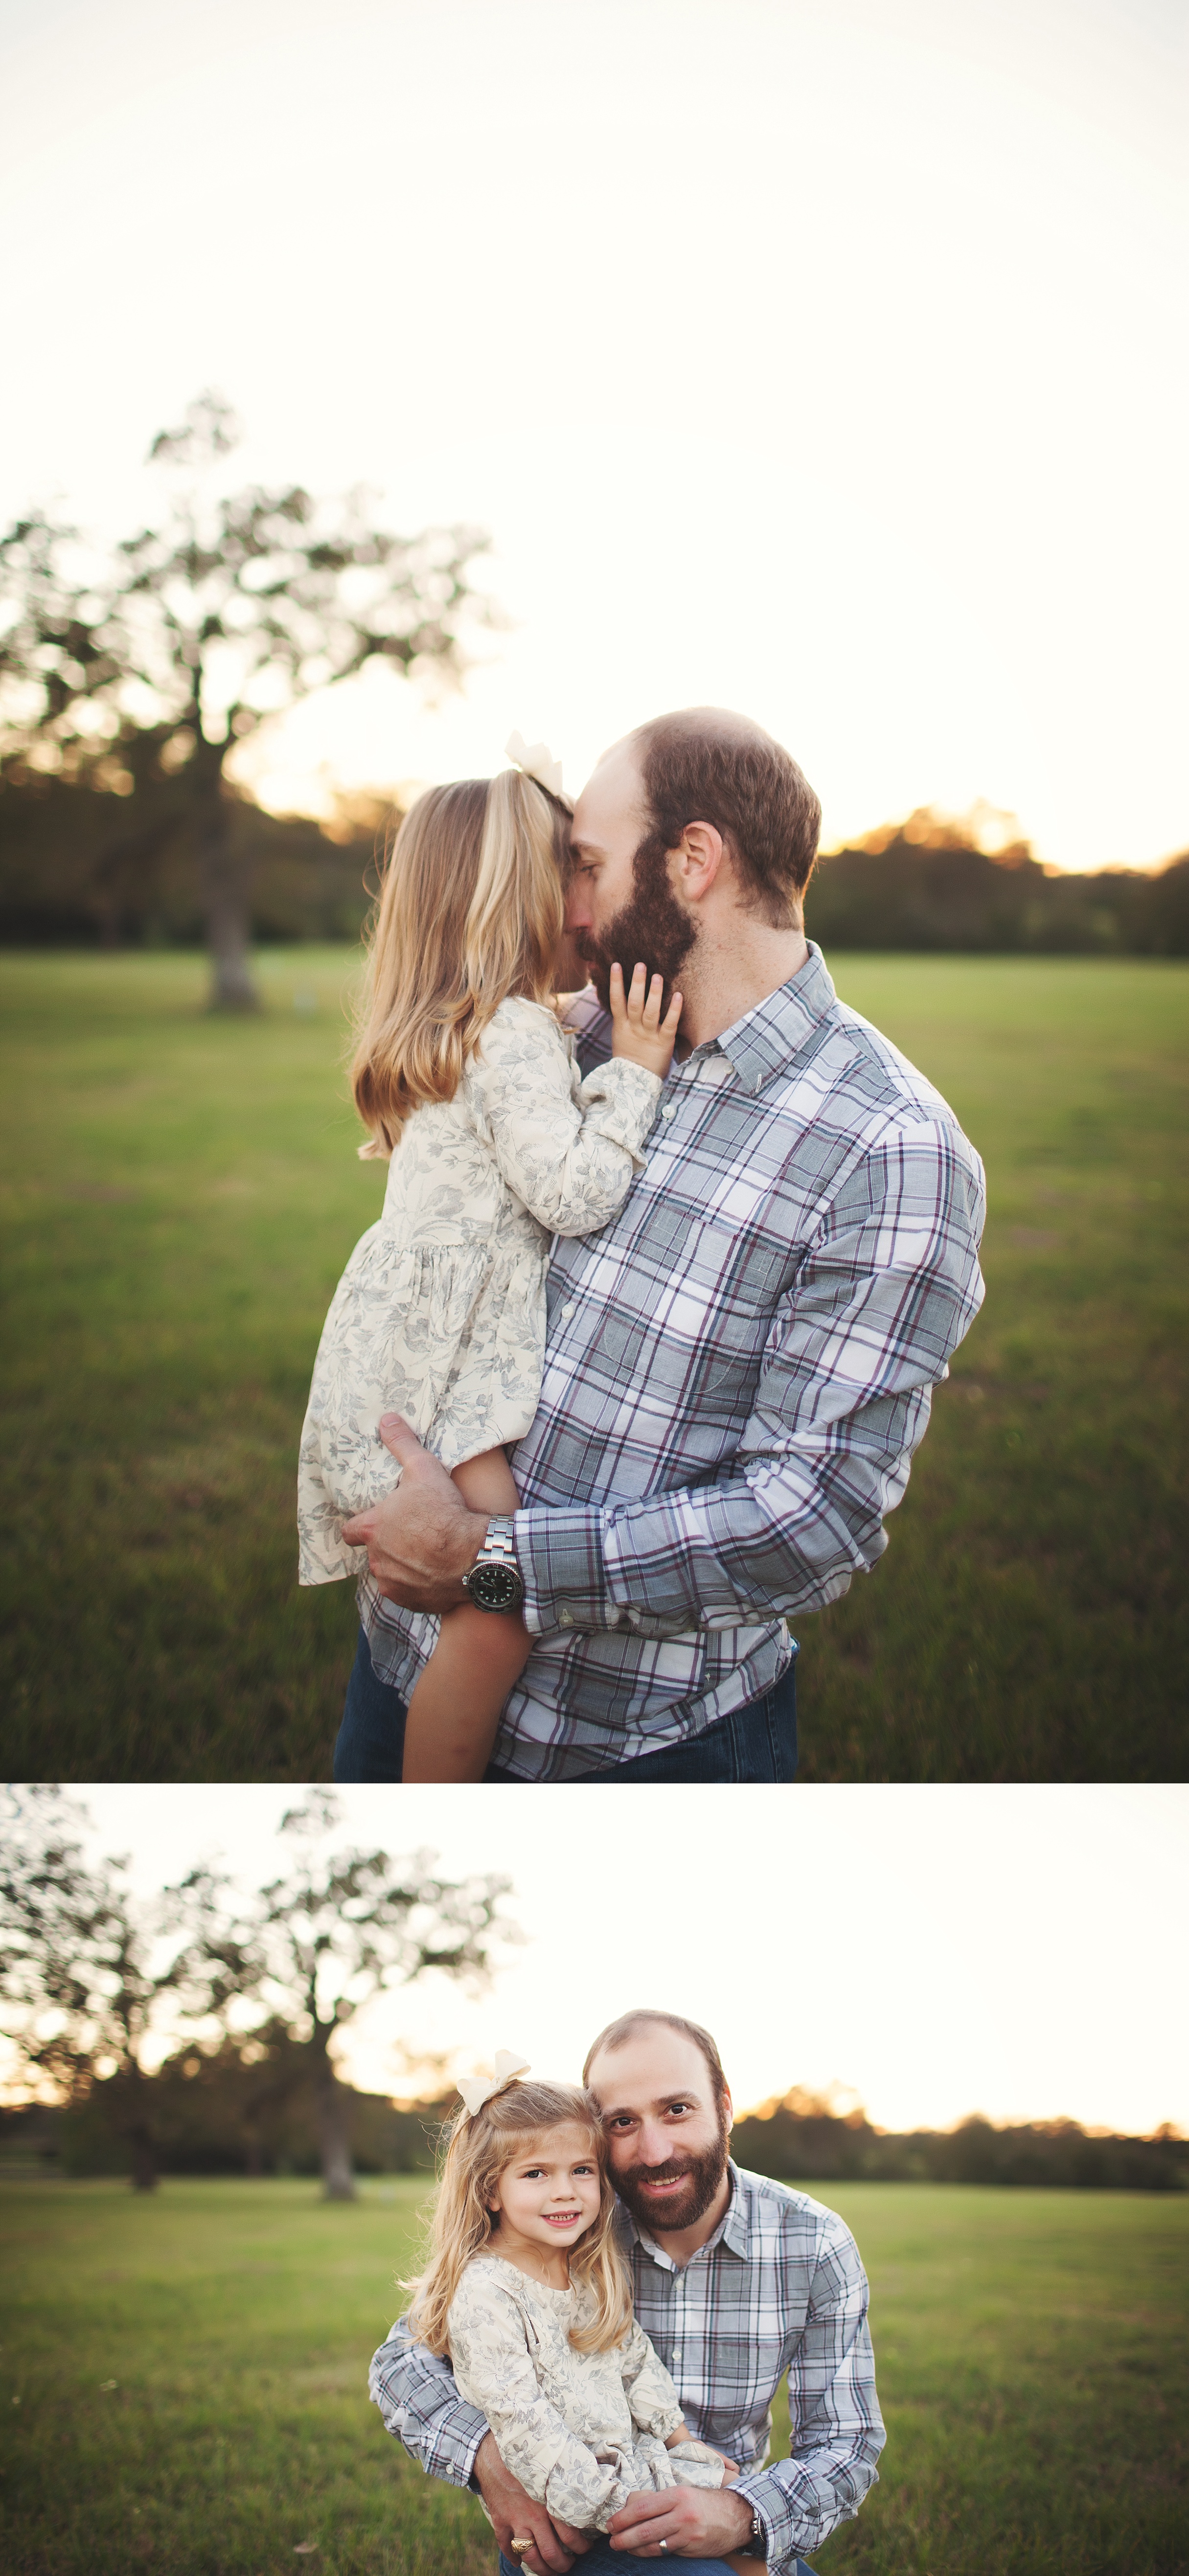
(781, 1535)
(883, 1293)
(420, 2405)
(801, 2501)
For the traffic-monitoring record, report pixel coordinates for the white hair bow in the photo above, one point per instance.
(536, 760)
(476, 2090)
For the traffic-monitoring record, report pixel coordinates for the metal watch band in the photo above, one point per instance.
(499, 1546)
(495, 1568)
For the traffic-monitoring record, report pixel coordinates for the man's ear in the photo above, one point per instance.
(728, 2107)
(699, 857)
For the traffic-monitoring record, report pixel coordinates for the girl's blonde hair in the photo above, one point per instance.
(478, 2150)
(470, 911)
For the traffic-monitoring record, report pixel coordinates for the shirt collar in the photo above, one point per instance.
(733, 2229)
(767, 1038)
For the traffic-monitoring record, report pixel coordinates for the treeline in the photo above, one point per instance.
(927, 885)
(802, 2139)
(224, 2111)
(216, 2113)
(83, 866)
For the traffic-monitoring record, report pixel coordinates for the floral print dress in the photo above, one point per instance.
(581, 2430)
(440, 1313)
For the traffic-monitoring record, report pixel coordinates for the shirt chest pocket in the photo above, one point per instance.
(692, 1313)
(727, 1298)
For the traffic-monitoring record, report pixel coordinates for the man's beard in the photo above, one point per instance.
(652, 930)
(682, 2209)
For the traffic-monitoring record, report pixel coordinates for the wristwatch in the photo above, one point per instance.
(494, 1581)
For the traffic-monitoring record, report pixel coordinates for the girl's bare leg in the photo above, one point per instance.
(455, 1707)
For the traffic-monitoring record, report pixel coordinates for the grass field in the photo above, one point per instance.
(183, 2385)
(180, 1194)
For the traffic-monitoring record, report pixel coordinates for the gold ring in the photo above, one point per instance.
(518, 2547)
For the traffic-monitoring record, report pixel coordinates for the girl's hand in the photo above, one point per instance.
(640, 1034)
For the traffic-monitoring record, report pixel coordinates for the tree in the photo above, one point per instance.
(95, 1982)
(87, 1972)
(337, 1930)
(141, 670)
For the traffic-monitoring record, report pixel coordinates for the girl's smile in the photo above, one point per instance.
(545, 2200)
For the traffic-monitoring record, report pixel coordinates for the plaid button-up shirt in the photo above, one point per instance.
(779, 2286)
(738, 1370)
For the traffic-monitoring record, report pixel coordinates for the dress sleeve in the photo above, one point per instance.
(651, 2395)
(494, 2369)
(569, 1150)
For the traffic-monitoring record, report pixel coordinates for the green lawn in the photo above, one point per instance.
(1031, 2349)
(180, 1194)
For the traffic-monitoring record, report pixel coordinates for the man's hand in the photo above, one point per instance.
(694, 2522)
(421, 1539)
(516, 2517)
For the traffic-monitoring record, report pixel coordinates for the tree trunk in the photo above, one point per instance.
(225, 902)
(144, 2162)
(338, 2181)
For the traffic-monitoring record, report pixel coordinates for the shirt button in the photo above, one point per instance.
(565, 1619)
(670, 1112)
(567, 1310)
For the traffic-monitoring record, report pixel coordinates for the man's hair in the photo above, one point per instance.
(706, 766)
(617, 2033)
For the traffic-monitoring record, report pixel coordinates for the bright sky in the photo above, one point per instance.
(823, 358)
(1018, 1951)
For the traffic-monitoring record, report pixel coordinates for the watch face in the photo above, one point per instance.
(495, 1587)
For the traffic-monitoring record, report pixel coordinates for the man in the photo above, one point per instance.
(739, 1366)
(736, 2280)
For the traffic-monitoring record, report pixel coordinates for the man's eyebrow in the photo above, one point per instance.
(596, 846)
(662, 2102)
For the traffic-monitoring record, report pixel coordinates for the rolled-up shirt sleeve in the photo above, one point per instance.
(886, 1287)
(420, 2404)
(837, 2431)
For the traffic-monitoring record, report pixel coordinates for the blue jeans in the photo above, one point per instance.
(602, 2560)
(758, 1742)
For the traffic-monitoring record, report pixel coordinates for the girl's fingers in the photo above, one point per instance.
(639, 1007)
(652, 1007)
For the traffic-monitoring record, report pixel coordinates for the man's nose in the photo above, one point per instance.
(655, 2146)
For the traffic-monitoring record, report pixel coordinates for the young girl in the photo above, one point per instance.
(465, 1079)
(528, 2294)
